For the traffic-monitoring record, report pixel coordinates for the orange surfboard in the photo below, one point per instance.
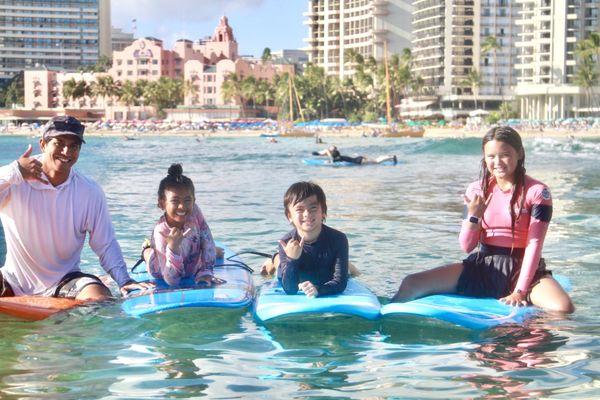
(35, 308)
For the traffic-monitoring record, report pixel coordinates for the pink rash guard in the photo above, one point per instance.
(198, 251)
(530, 226)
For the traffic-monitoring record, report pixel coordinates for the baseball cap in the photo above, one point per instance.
(63, 125)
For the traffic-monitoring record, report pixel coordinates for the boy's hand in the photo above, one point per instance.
(309, 289)
(293, 248)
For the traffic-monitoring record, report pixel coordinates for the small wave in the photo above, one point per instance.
(456, 146)
(566, 146)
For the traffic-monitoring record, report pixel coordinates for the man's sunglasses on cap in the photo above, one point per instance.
(68, 125)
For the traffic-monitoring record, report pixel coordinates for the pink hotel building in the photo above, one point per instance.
(205, 64)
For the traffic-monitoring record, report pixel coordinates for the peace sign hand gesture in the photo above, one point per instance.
(31, 168)
(293, 248)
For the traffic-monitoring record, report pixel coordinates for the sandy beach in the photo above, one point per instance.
(429, 132)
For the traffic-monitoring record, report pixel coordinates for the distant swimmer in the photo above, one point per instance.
(334, 154)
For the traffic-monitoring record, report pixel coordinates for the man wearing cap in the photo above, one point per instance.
(47, 208)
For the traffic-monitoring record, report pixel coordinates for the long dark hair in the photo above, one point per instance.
(511, 137)
(175, 180)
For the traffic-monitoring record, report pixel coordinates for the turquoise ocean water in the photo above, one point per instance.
(399, 219)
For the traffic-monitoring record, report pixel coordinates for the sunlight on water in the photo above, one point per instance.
(399, 219)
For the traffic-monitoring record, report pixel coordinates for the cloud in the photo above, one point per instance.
(158, 12)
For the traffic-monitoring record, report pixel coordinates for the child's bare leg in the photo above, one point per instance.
(438, 280)
(352, 270)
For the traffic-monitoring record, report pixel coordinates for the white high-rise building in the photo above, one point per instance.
(550, 30)
(448, 37)
(57, 34)
(365, 26)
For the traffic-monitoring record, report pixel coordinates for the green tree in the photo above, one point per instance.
(164, 93)
(68, 89)
(128, 94)
(14, 94)
(103, 64)
(586, 77)
(80, 91)
(266, 55)
(506, 111)
(250, 89)
(190, 89)
(491, 44)
(105, 88)
(473, 80)
(588, 67)
(231, 89)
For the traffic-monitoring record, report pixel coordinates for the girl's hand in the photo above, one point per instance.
(309, 289)
(175, 237)
(293, 248)
(476, 206)
(515, 300)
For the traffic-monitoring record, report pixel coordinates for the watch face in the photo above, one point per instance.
(474, 220)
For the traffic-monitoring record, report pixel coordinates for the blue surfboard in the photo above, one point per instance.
(468, 312)
(236, 292)
(325, 162)
(357, 300)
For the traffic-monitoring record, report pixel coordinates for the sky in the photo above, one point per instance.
(256, 24)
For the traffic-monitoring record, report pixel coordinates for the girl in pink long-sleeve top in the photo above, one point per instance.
(182, 245)
(507, 215)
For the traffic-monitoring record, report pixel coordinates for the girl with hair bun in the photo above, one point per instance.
(182, 245)
(507, 214)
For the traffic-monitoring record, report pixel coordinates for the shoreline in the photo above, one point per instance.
(430, 133)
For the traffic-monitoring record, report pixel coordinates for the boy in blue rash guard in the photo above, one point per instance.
(314, 257)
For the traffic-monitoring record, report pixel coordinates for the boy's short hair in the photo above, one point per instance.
(301, 191)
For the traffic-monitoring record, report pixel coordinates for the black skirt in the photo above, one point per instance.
(494, 271)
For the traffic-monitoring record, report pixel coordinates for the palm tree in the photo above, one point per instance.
(189, 88)
(266, 55)
(586, 77)
(590, 47)
(588, 66)
(281, 86)
(473, 80)
(264, 92)
(80, 91)
(68, 89)
(249, 89)
(417, 84)
(128, 94)
(506, 110)
(232, 90)
(490, 43)
(105, 87)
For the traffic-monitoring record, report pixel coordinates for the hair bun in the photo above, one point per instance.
(175, 170)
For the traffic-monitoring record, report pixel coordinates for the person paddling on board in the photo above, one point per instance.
(314, 257)
(334, 155)
(507, 214)
(47, 209)
(182, 245)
